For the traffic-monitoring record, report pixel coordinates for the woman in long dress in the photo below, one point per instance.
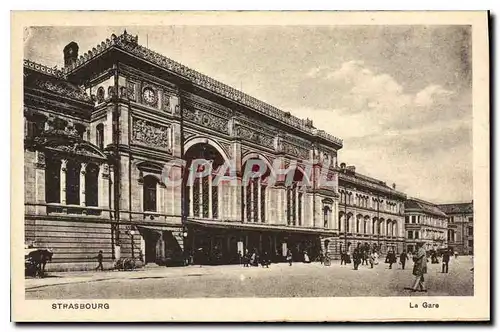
(306, 257)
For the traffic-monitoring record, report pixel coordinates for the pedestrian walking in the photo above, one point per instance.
(99, 260)
(364, 257)
(372, 259)
(419, 268)
(446, 261)
(306, 257)
(264, 261)
(342, 257)
(348, 257)
(356, 257)
(321, 256)
(246, 259)
(402, 259)
(289, 258)
(390, 258)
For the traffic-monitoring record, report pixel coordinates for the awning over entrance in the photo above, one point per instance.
(259, 227)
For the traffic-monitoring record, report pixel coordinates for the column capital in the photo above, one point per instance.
(83, 168)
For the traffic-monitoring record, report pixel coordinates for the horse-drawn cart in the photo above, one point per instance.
(35, 260)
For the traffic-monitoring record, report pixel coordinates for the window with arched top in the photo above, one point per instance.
(326, 216)
(294, 200)
(91, 185)
(100, 136)
(73, 169)
(150, 194)
(52, 180)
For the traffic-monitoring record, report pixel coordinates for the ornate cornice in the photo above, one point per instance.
(129, 43)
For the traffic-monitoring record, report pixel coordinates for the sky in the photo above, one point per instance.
(400, 97)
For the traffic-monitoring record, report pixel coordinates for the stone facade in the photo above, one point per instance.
(371, 214)
(425, 222)
(99, 132)
(460, 226)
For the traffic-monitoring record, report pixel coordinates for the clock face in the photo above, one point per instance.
(149, 96)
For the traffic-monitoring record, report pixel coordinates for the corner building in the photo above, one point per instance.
(371, 213)
(425, 222)
(460, 226)
(99, 132)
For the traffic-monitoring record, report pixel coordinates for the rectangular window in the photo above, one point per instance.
(410, 235)
(470, 231)
(416, 235)
(471, 219)
(471, 243)
(413, 219)
(407, 219)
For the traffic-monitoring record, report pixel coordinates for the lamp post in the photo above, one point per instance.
(132, 233)
(345, 218)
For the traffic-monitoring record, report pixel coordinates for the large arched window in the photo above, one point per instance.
(150, 197)
(375, 229)
(294, 199)
(341, 220)
(326, 216)
(202, 197)
(52, 180)
(100, 136)
(366, 221)
(358, 223)
(91, 185)
(255, 191)
(347, 224)
(73, 169)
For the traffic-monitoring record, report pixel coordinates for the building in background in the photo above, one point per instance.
(460, 226)
(371, 213)
(424, 221)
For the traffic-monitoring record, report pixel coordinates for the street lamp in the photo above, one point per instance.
(345, 218)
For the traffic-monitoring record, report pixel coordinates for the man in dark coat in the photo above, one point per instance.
(446, 260)
(403, 258)
(419, 268)
(99, 260)
(356, 257)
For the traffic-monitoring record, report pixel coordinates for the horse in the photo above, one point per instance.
(39, 258)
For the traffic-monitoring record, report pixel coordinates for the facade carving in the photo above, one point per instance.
(126, 185)
(206, 120)
(150, 134)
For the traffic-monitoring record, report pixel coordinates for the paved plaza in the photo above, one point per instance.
(279, 280)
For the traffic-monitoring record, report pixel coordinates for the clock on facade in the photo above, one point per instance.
(149, 96)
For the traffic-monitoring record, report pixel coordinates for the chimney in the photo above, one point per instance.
(70, 54)
(393, 186)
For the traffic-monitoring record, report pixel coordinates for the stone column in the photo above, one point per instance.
(200, 197)
(259, 193)
(40, 183)
(82, 184)
(210, 212)
(245, 205)
(191, 198)
(252, 203)
(62, 188)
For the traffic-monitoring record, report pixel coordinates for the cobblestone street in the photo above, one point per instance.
(280, 280)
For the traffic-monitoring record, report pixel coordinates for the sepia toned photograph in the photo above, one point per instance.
(252, 161)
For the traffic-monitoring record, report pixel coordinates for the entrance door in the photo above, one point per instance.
(151, 240)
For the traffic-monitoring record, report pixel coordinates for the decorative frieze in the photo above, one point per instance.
(132, 91)
(295, 150)
(150, 134)
(254, 136)
(206, 120)
(63, 88)
(130, 44)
